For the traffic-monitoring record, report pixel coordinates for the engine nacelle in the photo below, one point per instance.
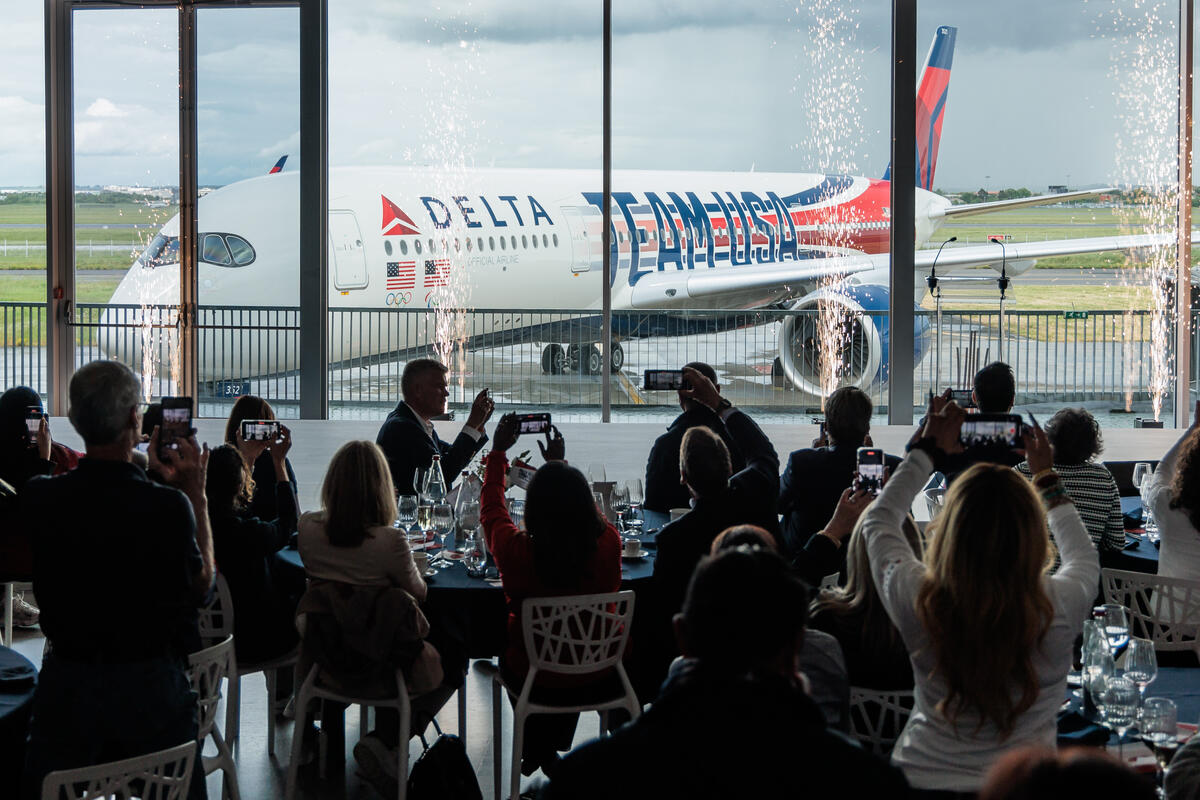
(864, 337)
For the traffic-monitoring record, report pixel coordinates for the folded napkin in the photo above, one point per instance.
(1074, 728)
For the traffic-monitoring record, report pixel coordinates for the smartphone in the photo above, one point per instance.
(176, 423)
(964, 398)
(33, 421)
(820, 423)
(260, 430)
(664, 379)
(533, 423)
(990, 430)
(870, 469)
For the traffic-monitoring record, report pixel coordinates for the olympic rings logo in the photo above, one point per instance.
(398, 298)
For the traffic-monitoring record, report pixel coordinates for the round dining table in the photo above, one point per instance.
(1140, 554)
(18, 679)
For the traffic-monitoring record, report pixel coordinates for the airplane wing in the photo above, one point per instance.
(755, 286)
(970, 209)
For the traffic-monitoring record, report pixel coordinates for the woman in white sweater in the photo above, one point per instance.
(988, 630)
(1173, 494)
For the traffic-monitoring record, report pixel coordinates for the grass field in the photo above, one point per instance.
(13, 254)
(34, 214)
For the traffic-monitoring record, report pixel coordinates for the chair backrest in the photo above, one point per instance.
(577, 634)
(876, 718)
(216, 618)
(206, 669)
(1164, 610)
(164, 775)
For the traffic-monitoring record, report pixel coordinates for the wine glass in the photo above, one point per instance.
(1099, 668)
(1141, 665)
(443, 523)
(1160, 732)
(468, 516)
(620, 504)
(475, 555)
(516, 511)
(599, 498)
(424, 522)
(597, 473)
(1141, 473)
(1116, 626)
(636, 496)
(1120, 708)
(406, 513)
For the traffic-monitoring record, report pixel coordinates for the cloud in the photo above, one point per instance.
(104, 108)
(290, 145)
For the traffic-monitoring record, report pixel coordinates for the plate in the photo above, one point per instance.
(642, 554)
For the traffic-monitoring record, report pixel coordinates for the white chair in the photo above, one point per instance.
(574, 635)
(9, 598)
(163, 775)
(311, 689)
(216, 622)
(1164, 610)
(206, 669)
(876, 718)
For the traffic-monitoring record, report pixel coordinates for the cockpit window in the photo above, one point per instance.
(243, 253)
(214, 250)
(164, 250)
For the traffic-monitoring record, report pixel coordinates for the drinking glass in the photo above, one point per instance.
(1160, 732)
(599, 498)
(1141, 665)
(516, 510)
(596, 473)
(1141, 473)
(475, 556)
(1116, 626)
(620, 504)
(406, 511)
(468, 515)
(424, 522)
(1120, 708)
(443, 523)
(1096, 674)
(636, 496)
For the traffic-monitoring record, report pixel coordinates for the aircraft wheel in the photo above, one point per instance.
(595, 362)
(573, 357)
(617, 359)
(554, 359)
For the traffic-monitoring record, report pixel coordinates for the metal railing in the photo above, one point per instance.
(541, 358)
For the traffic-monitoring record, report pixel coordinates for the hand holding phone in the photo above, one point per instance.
(176, 424)
(654, 380)
(537, 424)
(991, 430)
(260, 430)
(870, 470)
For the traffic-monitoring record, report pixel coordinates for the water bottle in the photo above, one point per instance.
(434, 490)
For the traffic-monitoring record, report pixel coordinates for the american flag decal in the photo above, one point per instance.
(437, 272)
(401, 275)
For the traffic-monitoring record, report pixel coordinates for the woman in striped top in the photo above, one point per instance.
(1075, 437)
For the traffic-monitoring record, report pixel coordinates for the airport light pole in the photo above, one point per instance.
(935, 290)
(901, 309)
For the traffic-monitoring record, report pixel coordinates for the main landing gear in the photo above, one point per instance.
(580, 358)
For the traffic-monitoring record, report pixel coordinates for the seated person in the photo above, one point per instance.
(23, 455)
(110, 689)
(1173, 494)
(994, 391)
(567, 547)
(663, 489)
(1043, 773)
(351, 541)
(258, 455)
(1182, 781)
(407, 437)
(815, 477)
(734, 720)
(853, 614)
(245, 546)
(1074, 436)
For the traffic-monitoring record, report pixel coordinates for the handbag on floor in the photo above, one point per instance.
(443, 771)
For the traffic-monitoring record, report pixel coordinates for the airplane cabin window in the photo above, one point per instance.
(491, 243)
(214, 251)
(403, 247)
(243, 253)
(431, 250)
(524, 242)
(469, 244)
(417, 247)
(387, 246)
(556, 240)
(535, 241)
(546, 242)
(502, 242)
(513, 241)
(479, 242)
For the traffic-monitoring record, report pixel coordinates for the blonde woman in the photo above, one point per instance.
(988, 630)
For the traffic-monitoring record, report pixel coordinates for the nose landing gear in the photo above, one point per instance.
(585, 359)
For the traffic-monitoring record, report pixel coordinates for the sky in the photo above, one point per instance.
(1041, 92)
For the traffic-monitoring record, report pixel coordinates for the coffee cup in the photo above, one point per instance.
(422, 561)
(632, 547)
(676, 513)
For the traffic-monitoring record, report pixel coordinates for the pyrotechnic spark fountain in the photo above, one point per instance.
(1145, 67)
(829, 87)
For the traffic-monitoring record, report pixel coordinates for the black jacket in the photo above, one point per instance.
(263, 504)
(407, 448)
(716, 736)
(812, 482)
(663, 489)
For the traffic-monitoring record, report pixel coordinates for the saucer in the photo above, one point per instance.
(640, 554)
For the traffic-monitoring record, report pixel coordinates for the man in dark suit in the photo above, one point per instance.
(408, 438)
(815, 477)
(663, 489)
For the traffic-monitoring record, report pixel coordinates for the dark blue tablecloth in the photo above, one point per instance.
(18, 679)
(1142, 557)
(1181, 684)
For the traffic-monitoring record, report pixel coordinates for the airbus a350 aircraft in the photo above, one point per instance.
(530, 239)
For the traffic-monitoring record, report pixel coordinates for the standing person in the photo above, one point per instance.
(408, 438)
(567, 547)
(663, 489)
(1075, 439)
(110, 689)
(1173, 494)
(245, 546)
(258, 455)
(815, 477)
(988, 631)
(733, 720)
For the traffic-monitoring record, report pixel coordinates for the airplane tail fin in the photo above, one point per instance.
(278, 165)
(931, 105)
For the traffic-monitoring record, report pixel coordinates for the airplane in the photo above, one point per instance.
(523, 240)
